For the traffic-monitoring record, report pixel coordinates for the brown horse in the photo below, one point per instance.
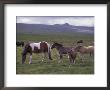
(40, 47)
(85, 50)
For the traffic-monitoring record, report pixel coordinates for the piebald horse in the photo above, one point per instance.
(40, 47)
(65, 50)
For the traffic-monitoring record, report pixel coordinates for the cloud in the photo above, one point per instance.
(72, 20)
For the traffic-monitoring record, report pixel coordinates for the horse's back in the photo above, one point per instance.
(91, 47)
(65, 50)
(35, 45)
(43, 46)
(88, 47)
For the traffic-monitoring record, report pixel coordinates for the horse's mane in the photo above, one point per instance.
(59, 44)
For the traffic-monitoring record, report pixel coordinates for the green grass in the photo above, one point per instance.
(39, 67)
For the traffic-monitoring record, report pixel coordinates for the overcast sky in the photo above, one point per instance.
(72, 20)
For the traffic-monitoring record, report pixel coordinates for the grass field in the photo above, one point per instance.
(39, 67)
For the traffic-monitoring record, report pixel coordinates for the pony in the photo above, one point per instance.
(85, 50)
(80, 41)
(40, 47)
(65, 50)
(18, 43)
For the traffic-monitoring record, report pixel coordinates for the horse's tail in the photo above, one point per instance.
(49, 51)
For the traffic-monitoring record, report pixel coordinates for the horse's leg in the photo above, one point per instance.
(82, 57)
(72, 58)
(49, 55)
(23, 58)
(90, 53)
(24, 53)
(58, 55)
(43, 56)
(30, 62)
(75, 58)
(60, 58)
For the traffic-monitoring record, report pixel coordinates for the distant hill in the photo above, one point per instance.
(56, 28)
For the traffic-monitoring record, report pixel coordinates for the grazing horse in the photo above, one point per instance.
(85, 50)
(80, 41)
(65, 50)
(18, 43)
(40, 47)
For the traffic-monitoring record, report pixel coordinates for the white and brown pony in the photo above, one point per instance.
(85, 50)
(40, 47)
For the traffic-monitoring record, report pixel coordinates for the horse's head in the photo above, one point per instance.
(80, 41)
(26, 49)
(77, 48)
(55, 45)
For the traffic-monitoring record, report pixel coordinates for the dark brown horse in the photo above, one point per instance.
(80, 41)
(18, 43)
(65, 50)
(41, 47)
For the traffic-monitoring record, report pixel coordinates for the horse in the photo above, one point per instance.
(65, 50)
(85, 50)
(18, 43)
(40, 47)
(80, 41)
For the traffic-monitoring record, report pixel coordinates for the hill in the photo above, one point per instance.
(56, 28)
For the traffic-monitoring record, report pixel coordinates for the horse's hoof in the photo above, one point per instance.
(48, 62)
(22, 62)
(74, 62)
(51, 59)
(69, 66)
(59, 62)
(30, 62)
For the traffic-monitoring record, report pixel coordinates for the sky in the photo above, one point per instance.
(51, 20)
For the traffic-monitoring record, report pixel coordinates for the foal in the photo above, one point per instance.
(65, 50)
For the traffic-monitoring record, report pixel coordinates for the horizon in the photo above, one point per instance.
(52, 20)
